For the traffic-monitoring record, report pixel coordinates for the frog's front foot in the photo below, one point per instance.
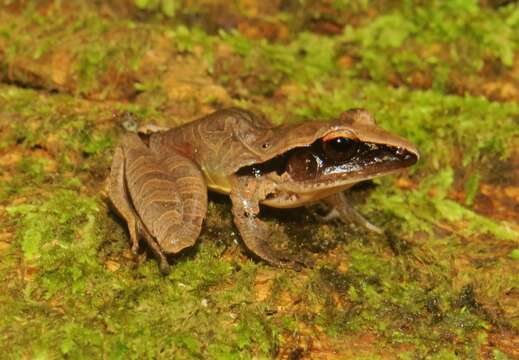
(255, 233)
(340, 209)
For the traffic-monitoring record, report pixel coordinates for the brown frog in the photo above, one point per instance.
(158, 182)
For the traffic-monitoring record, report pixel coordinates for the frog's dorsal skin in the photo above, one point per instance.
(242, 154)
(219, 143)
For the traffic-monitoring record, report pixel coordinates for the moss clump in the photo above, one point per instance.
(432, 39)
(429, 206)
(78, 51)
(72, 292)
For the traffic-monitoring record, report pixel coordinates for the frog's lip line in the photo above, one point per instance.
(302, 187)
(340, 180)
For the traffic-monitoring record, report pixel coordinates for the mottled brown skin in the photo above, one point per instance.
(159, 186)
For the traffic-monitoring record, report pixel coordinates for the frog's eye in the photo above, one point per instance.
(340, 143)
(340, 148)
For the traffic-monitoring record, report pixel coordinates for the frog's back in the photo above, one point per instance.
(219, 143)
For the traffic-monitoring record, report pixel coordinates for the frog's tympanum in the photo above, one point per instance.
(159, 181)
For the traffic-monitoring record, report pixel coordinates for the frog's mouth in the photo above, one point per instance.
(335, 162)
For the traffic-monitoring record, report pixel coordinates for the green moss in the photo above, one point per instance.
(166, 7)
(34, 168)
(432, 38)
(514, 254)
(306, 58)
(60, 228)
(389, 296)
(472, 188)
(437, 283)
(60, 236)
(498, 355)
(421, 211)
(81, 50)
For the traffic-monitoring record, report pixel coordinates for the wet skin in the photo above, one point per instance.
(158, 182)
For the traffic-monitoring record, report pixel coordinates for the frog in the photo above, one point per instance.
(160, 177)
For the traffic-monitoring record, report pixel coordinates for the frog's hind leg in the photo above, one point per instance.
(155, 249)
(168, 193)
(342, 210)
(118, 194)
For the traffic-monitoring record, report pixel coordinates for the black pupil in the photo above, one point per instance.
(341, 144)
(340, 149)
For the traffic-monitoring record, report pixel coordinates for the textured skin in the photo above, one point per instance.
(220, 143)
(118, 194)
(168, 194)
(163, 198)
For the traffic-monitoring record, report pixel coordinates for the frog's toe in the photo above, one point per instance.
(340, 209)
(297, 263)
(164, 266)
(135, 248)
(281, 259)
(332, 215)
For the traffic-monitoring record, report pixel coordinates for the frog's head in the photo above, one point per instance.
(313, 159)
